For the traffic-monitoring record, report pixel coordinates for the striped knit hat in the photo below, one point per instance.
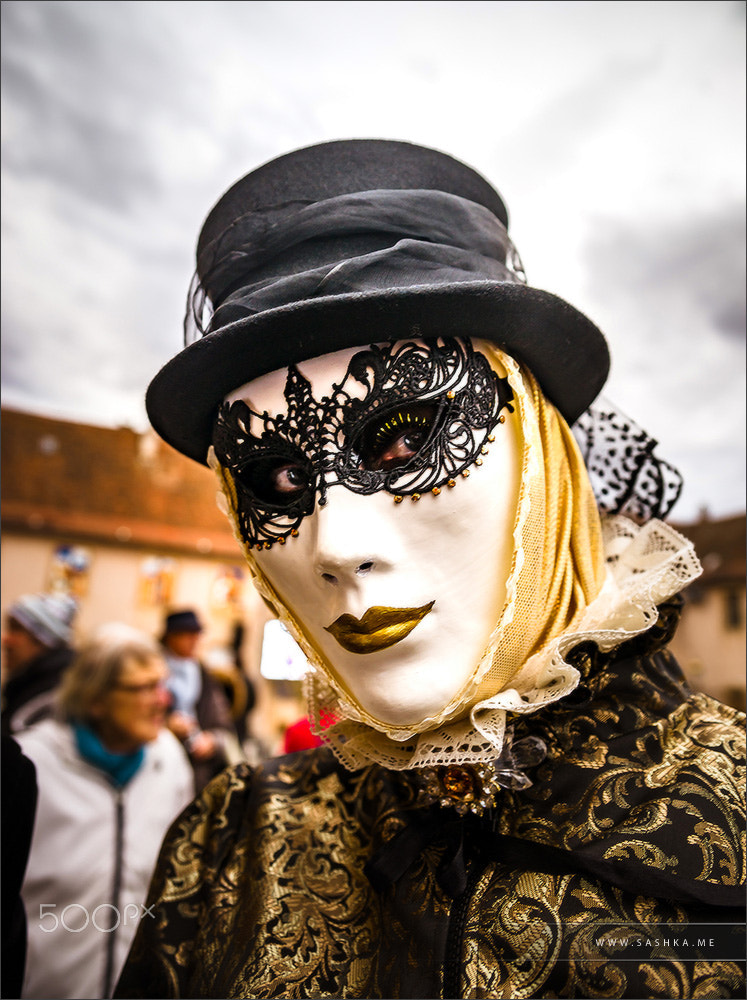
(46, 616)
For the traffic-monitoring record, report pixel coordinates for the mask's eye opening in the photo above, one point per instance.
(274, 481)
(390, 440)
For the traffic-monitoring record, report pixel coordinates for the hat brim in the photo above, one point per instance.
(564, 350)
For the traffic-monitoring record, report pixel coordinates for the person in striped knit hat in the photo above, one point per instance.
(37, 648)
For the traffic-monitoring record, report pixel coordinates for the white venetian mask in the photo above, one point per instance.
(378, 488)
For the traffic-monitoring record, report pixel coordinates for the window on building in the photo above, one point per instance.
(734, 607)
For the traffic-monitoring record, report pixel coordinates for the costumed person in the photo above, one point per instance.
(111, 779)
(200, 713)
(18, 793)
(515, 775)
(37, 648)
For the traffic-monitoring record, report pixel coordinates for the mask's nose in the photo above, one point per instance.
(353, 538)
(335, 571)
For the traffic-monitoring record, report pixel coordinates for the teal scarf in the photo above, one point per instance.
(118, 767)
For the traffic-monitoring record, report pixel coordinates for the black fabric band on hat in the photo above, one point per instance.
(440, 238)
(407, 264)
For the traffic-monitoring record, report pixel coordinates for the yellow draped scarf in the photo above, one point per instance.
(558, 565)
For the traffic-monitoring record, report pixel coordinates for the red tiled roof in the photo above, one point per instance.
(721, 545)
(111, 484)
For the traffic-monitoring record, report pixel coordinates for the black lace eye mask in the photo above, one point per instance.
(405, 420)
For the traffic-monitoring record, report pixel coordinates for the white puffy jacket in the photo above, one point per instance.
(92, 855)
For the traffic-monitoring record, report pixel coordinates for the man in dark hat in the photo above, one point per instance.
(512, 762)
(200, 714)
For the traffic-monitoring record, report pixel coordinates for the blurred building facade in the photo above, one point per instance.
(131, 528)
(711, 639)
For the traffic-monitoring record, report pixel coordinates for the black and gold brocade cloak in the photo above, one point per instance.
(619, 873)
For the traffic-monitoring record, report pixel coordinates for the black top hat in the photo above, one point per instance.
(182, 621)
(351, 243)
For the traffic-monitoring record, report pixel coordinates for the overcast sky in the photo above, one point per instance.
(614, 131)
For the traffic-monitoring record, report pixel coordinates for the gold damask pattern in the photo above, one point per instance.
(532, 934)
(637, 774)
(260, 891)
(637, 810)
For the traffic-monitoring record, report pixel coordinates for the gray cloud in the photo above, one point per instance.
(552, 138)
(75, 88)
(670, 296)
(699, 260)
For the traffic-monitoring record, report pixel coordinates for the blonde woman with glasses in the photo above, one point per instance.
(111, 779)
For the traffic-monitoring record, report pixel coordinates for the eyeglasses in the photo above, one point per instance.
(149, 688)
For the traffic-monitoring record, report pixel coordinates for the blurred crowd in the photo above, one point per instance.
(105, 741)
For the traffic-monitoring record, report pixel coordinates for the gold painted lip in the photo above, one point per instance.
(377, 629)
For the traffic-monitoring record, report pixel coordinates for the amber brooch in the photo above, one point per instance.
(465, 787)
(473, 788)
